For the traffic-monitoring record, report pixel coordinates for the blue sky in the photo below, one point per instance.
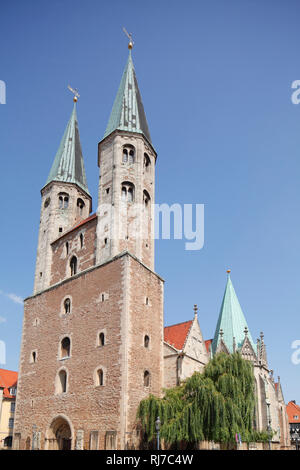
(215, 78)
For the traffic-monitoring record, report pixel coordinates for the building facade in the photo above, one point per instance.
(8, 390)
(93, 342)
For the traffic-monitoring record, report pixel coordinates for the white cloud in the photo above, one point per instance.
(2, 320)
(15, 298)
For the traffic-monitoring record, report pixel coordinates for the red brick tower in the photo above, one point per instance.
(92, 343)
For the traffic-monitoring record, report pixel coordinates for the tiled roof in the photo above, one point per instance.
(176, 335)
(293, 410)
(208, 345)
(83, 222)
(8, 379)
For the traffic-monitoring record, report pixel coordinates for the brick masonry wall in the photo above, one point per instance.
(85, 255)
(124, 317)
(86, 406)
(145, 301)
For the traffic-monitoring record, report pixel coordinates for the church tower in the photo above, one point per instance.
(126, 158)
(232, 335)
(92, 340)
(65, 199)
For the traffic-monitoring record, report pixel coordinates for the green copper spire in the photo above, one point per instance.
(231, 321)
(68, 165)
(128, 111)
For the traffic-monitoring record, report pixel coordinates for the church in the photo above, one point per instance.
(94, 342)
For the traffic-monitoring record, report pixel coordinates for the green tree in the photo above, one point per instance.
(213, 405)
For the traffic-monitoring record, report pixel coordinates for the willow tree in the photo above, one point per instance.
(214, 405)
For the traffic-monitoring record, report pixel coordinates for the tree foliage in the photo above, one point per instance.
(213, 405)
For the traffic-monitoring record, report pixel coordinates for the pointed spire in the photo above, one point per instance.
(232, 326)
(128, 111)
(68, 165)
(196, 311)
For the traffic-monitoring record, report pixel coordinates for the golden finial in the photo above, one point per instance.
(129, 35)
(75, 92)
(228, 271)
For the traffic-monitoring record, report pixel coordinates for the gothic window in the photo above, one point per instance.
(61, 382)
(127, 191)
(33, 357)
(101, 339)
(80, 206)
(146, 378)
(65, 347)
(147, 162)
(73, 266)
(81, 240)
(146, 198)
(146, 341)
(67, 306)
(128, 155)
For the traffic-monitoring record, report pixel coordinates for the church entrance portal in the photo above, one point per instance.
(59, 435)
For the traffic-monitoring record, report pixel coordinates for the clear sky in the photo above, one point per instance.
(215, 78)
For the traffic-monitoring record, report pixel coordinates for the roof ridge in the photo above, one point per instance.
(181, 323)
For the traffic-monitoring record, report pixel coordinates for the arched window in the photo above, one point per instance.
(67, 305)
(67, 248)
(33, 357)
(65, 347)
(128, 155)
(131, 156)
(61, 382)
(81, 240)
(147, 162)
(146, 341)
(47, 202)
(127, 191)
(125, 155)
(63, 200)
(146, 378)
(146, 198)
(101, 339)
(80, 206)
(73, 265)
(100, 377)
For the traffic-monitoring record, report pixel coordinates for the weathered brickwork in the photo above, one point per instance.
(126, 225)
(56, 217)
(80, 242)
(124, 318)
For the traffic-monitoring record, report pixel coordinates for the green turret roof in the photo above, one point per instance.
(128, 111)
(68, 165)
(231, 321)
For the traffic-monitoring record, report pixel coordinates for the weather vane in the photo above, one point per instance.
(75, 93)
(131, 43)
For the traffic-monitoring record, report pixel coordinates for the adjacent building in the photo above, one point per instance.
(293, 411)
(8, 390)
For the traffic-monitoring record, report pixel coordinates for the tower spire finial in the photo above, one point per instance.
(75, 93)
(195, 310)
(129, 35)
